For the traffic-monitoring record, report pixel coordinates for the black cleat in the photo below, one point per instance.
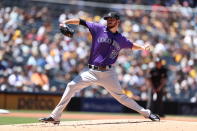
(154, 117)
(49, 120)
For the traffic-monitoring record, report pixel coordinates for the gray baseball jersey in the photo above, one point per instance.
(104, 51)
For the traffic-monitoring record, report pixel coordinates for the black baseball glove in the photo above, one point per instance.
(66, 30)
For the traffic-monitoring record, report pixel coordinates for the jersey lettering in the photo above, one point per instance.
(104, 40)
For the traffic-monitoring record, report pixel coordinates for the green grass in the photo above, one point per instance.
(16, 120)
(22, 120)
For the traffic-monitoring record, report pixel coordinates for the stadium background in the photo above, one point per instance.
(36, 61)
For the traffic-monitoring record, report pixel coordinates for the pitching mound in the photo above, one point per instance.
(106, 125)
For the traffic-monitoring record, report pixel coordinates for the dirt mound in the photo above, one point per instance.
(106, 125)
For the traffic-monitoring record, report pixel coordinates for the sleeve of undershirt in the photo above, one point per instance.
(92, 26)
(83, 22)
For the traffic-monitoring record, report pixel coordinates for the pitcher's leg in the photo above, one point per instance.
(112, 85)
(83, 80)
(130, 103)
(69, 92)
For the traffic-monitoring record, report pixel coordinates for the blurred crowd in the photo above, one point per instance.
(35, 57)
(191, 3)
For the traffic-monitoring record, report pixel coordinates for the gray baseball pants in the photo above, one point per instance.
(107, 79)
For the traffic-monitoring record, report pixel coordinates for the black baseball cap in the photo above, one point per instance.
(112, 15)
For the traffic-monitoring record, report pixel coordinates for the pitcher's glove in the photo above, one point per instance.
(66, 30)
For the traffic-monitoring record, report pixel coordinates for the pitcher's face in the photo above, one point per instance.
(112, 22)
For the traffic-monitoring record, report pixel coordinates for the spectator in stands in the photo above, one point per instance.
(40, 80)
(16, 79)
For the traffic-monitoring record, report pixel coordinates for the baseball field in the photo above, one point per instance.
(81, 121)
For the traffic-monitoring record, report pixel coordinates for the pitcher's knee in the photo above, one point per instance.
(71, 86)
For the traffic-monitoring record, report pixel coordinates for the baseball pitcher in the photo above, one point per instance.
(106, 45)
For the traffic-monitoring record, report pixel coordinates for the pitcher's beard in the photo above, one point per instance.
(110, 27)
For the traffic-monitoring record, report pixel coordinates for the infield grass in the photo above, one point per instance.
(22, 120)
(16, 120)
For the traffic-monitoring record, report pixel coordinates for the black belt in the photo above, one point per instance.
(100, 68)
